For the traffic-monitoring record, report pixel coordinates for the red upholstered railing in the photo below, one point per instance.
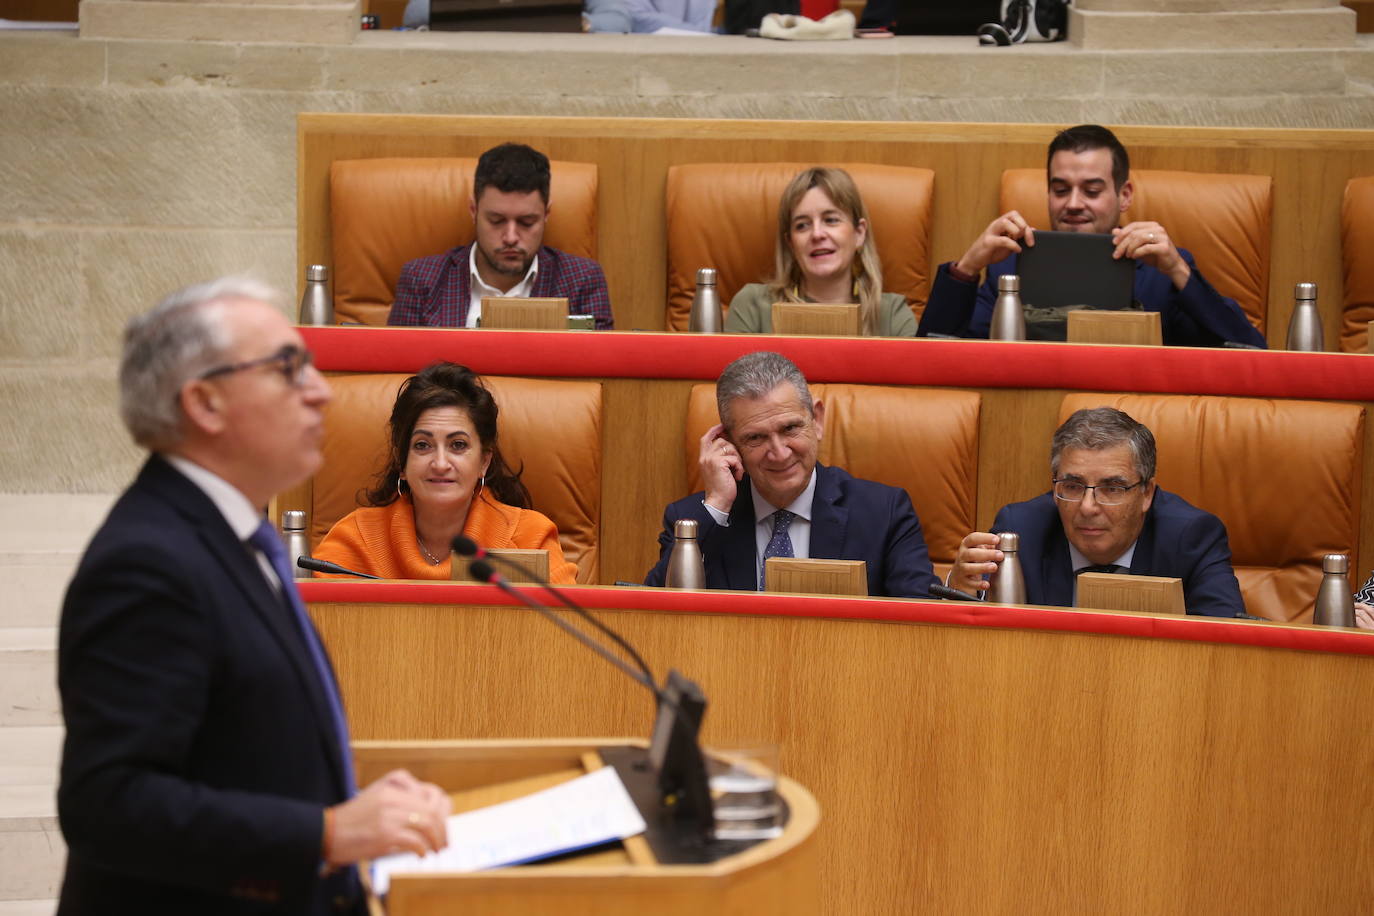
(947, 363)
(961, 613)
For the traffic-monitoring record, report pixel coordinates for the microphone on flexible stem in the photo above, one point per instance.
(953, 594)
(683, 792)
(325, 566)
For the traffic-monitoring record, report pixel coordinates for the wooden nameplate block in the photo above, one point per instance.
(1118, 592)
(1098, 326)
(816, 577)
(516, 314)
(535, 561)
(816, 319)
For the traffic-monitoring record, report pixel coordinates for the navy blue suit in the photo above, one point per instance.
(200, 753)
(1195, 316)
(1177, 540)
(851, 519)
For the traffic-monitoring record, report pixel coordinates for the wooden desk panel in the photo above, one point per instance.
(962, 768)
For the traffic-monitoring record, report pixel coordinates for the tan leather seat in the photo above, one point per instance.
(725, 215)
(1284, 477)
(385, 212)
(564, 482)
(1224, 220)
(1357, 250)
(924, 440)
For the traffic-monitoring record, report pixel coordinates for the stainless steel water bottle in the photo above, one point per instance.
(1335, 605)
(297, 541)
(317, 306)
(1305, 327)
(1008, 321)
(1008, 585)
(686, 566)
(705, 317)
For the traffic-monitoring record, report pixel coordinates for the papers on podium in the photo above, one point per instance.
(578, 814)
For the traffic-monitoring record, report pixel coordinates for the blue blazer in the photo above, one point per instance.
(1195, 316)
(1177, 540)
(851, 519)
(200, 753)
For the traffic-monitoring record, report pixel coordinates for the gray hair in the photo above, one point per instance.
(754, 375)
(1104, 427)
(180, 338)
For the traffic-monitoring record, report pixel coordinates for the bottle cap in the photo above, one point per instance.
(706, 276)
(1336, 563)
(317, 272)
(1305, 291)
(1008, 542)
(1008, 283)
(293, 520)
(685, 528)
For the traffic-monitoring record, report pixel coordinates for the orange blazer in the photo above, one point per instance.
(381, 540)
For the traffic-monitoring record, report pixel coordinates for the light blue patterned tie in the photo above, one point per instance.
(267, 540)
(780, 544)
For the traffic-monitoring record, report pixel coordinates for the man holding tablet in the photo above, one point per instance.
(1088, 171)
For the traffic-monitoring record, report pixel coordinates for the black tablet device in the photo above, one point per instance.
(1074, 268)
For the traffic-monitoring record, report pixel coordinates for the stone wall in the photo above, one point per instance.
(131, 167)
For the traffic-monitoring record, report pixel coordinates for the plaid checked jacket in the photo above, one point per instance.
(435, 291)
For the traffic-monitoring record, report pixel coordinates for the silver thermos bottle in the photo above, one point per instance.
(1008, 321)
(297, 541)
(317, 306)
(1305, 327)
(1335, 605)
(705, 317)
(686, 567)
(1007, 585)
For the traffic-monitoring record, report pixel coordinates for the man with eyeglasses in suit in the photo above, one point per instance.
(1105, 513)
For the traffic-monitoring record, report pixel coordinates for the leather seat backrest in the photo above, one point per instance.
(1284, 477)
(385, 212)
(924, 440)
(564, 481)
(725, 215)
(1223, 219)
(1357, 252)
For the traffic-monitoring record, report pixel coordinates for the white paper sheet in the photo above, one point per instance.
(587, 811)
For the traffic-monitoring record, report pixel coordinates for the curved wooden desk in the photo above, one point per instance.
(969, 758)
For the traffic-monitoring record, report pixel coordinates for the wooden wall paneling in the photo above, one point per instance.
(1014, 446)
(1006, 769)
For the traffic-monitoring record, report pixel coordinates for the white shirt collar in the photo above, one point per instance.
(800, 507)
(481, 288)
(1078, 561)
(242, 516)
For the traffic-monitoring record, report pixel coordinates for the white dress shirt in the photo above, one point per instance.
(799, 532)
(479, 288)
(243, 519)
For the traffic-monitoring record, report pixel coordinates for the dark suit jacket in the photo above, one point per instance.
(1177, 540)
(435, 291)
(851, 519)
(1195, 316)
(200, 753)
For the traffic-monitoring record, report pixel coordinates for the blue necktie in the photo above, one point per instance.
(780, 544)
(265, 539)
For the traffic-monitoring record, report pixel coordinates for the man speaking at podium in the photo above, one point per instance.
(766, 495)
(207, 768)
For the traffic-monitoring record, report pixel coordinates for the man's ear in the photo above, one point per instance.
(1149, 489)
(818, 417)
(203, 405)
(1126, 195)
(472, 208)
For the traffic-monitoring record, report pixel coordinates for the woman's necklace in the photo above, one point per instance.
(428, 556)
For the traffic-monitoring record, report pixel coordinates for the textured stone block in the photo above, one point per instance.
(28, 686)
(1023, 71)
(33, 852)
(1198, 6)
(41, 295)
(114, 156)
(1318, 28)
(1221, 73)
(173, 64)
(62, 432)
(50, 59)
(128, 271)
(322, 22)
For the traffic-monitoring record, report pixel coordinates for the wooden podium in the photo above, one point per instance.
(778, 876)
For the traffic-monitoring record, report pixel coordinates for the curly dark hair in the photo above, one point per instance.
(446, 385)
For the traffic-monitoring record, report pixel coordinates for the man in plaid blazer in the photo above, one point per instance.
(510, 208)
